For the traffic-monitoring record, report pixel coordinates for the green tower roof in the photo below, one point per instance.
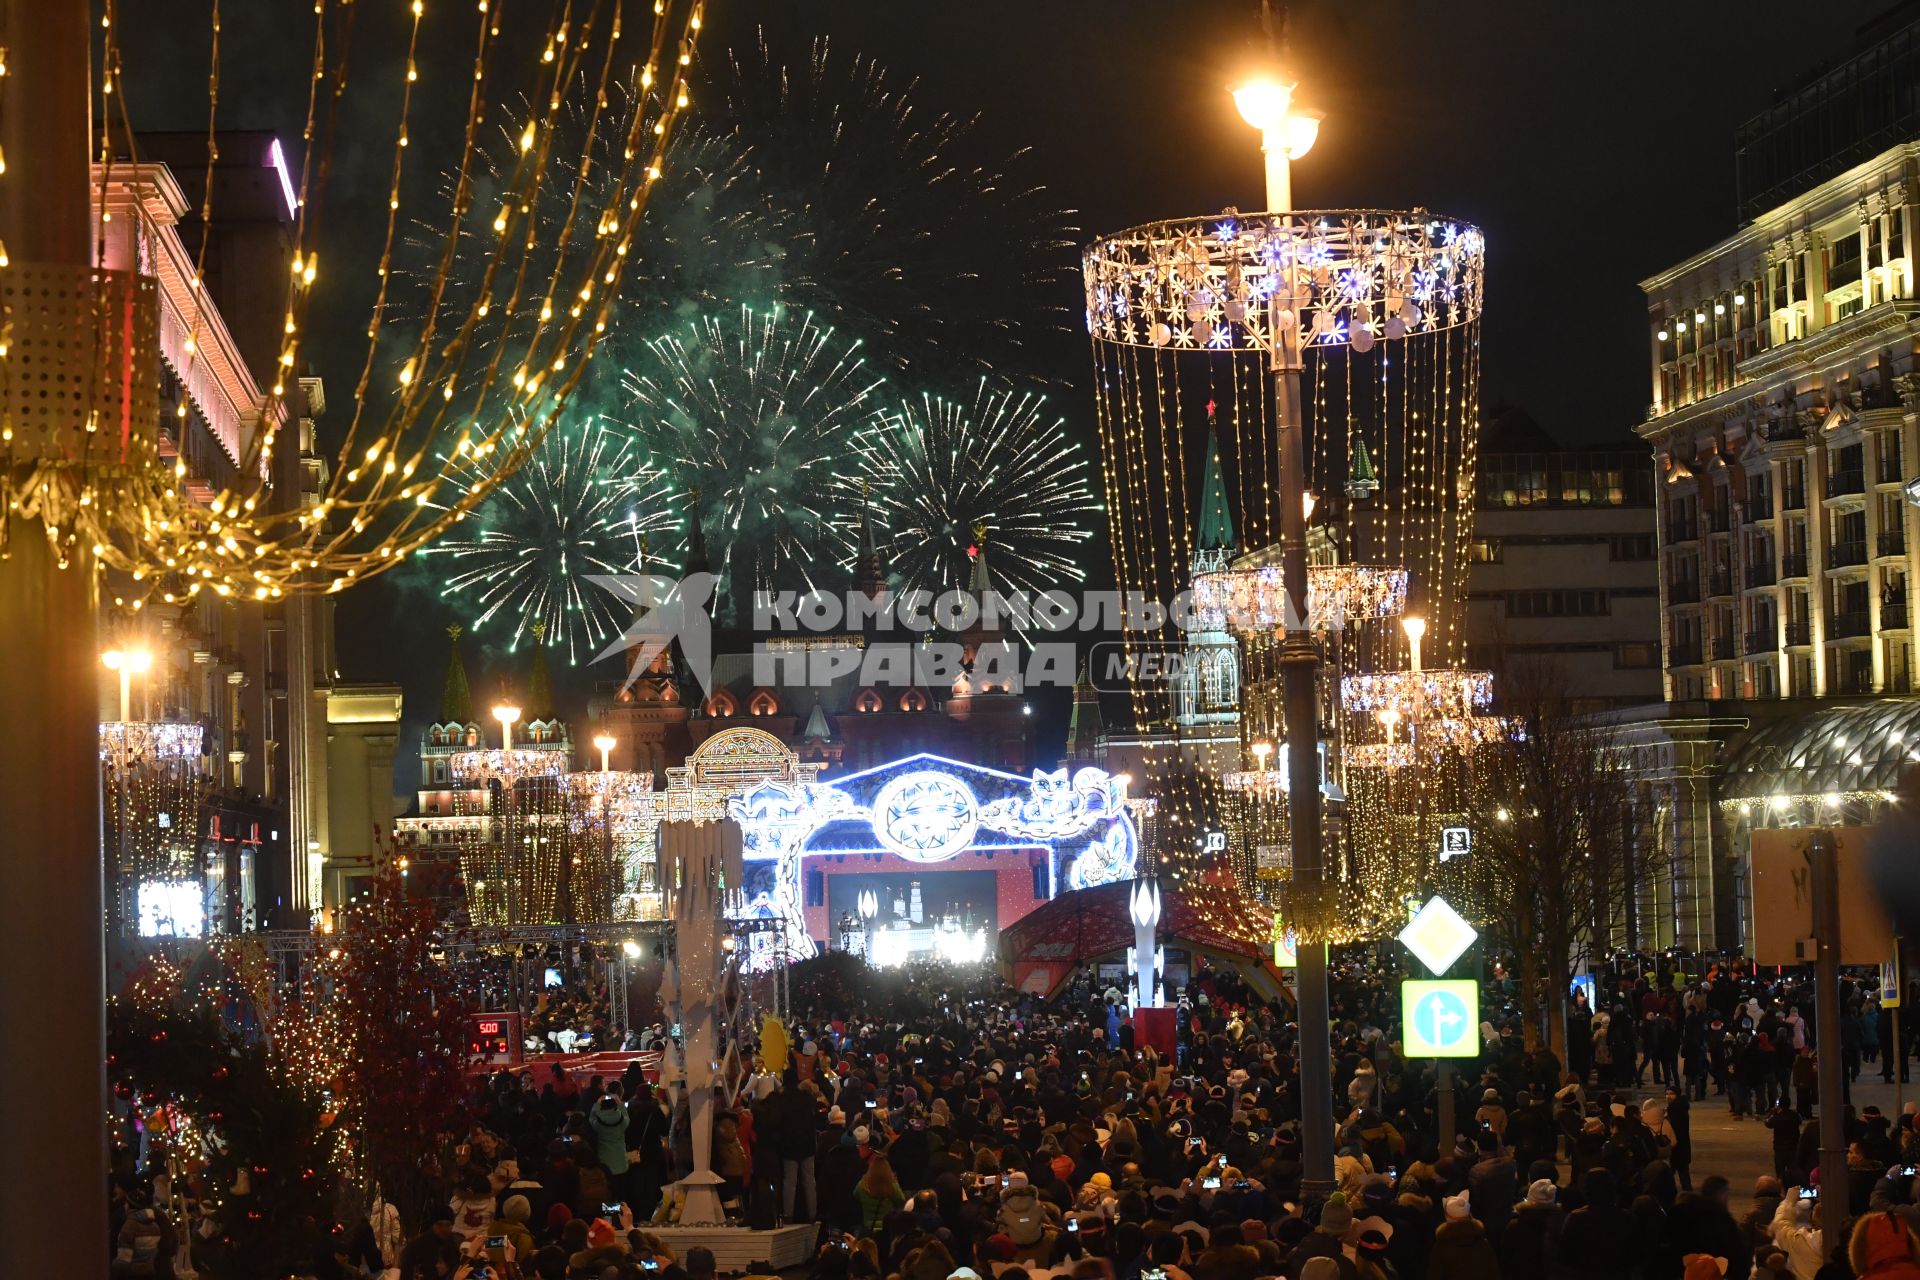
(1214, 531)
(456, 700)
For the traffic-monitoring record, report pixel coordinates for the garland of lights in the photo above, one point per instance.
(481, 380)
(1417, 696)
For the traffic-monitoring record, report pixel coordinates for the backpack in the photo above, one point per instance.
(1022, 1218)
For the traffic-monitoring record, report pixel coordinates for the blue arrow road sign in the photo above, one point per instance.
(1442, 1018)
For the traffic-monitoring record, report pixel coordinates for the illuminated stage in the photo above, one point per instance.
(1021, 840)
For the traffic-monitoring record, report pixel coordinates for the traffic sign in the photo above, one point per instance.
(1455, 842)
(1286, 954)
(1441, 1017)
(1438, 935)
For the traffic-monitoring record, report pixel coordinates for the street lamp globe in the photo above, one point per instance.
(1263, 102)
(506, 716)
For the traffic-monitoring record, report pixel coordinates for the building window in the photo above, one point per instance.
(1561, 603)
(1636, 657)
(1631, 546)
(1484, 551)
(816, 889)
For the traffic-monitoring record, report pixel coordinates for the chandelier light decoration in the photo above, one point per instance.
(470, 385)
(1386, 306)
(610, 817)
(1254, 599)
(1342, 277)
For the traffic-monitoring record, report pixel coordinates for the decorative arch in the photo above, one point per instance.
(721, 705)
(763, 702)
(868, 701)
(913, 700)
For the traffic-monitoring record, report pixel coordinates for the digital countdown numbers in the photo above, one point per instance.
(494, 1037)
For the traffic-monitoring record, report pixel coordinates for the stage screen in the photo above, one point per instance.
(966, 897)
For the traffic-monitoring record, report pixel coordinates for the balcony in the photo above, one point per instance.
(1720, 582)
(1846, 488)
(1893, 615)
(1686, 655)
(1848, 625)
(1793, 565)
(1845, 555)
(1760, 575)
(1719, 520)
(1723, 648)
(1760, 642)
(1684, 591)
(1757, 510)
(1892, 543)
(1799, 633)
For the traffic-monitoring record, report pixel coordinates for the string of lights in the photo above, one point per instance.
(461, 398)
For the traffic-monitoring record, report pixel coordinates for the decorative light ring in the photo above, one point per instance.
(1379, 755)
(123, 741)
(1264, 783)
(1256, 599)
(925, 816)
(1418, 695)
(1456, 732)
(1344, 277)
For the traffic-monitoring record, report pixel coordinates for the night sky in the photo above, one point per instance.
(1593, 143)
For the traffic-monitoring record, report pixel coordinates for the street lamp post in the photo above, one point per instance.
(51, 916)
(127, 663)
(1286, 134)
(1144, 907)
(509, 860)
(869, 903)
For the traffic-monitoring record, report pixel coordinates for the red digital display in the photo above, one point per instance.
(493, 1037)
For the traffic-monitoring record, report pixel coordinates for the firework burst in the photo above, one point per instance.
(759, 411)
(940, 469)
(890, 221)
(583, 504)
(814, 181)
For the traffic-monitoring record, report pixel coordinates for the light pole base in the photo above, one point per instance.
(702, 1206)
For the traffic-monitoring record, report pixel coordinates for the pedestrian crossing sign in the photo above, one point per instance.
(1441, 1017)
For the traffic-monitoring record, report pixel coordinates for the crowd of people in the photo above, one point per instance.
(987, 1134)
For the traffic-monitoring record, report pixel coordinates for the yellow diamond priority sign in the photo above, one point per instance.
(1442, 1018)
(1438, 935)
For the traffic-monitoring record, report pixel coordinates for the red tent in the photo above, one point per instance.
(1220, 922)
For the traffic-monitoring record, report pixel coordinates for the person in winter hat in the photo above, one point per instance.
(1526, 1246)
(1023, 1219)
(1461, 1250)
(512, 1223)
(1326, 1241)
